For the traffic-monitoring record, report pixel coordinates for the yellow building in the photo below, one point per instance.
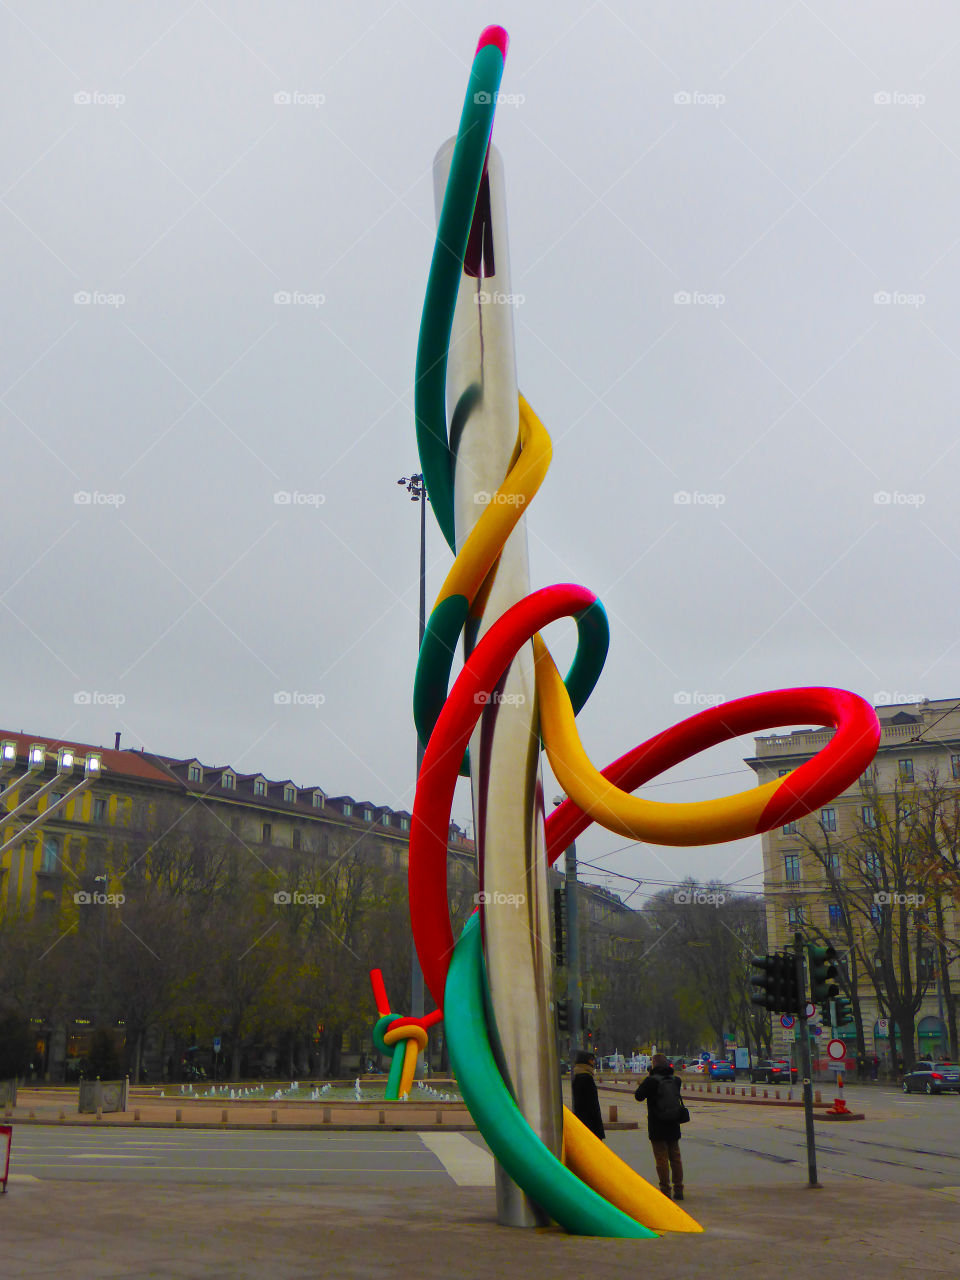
(806, 892)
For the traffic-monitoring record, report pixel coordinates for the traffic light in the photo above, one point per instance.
(822, 973)
(769, 982)
(827, 1013)
(563, 1015)
(558, 926)
(842, 1012)
(794, 998)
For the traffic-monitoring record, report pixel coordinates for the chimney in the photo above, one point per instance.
(116, 741)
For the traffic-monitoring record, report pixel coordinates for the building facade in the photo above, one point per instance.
(812, 892)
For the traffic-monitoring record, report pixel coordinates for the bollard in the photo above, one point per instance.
(326, 1114)
(179, 1115)
(223, 1116)
(439, 1116)
(765, 1094)
(776, 1093)
(817, 1096)
(381, 1117)
(273, 1115)
(613, 1114)
(753, 1091)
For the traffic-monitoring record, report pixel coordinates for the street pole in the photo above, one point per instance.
(574, 978)
(418, 493)
(805, 1058)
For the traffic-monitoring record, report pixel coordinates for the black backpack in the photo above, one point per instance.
(667, 1106)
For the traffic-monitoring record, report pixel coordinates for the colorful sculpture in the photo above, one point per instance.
(586, 1187)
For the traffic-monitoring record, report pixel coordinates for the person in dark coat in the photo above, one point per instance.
(586, 1103)
(664, 1135)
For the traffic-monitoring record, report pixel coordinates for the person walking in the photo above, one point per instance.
(586, 1101)
(665, 1113)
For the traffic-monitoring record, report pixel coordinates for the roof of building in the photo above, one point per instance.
(127, 763)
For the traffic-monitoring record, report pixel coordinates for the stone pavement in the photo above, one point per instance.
(96, 1231)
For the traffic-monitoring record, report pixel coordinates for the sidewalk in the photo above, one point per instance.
(98, 1231)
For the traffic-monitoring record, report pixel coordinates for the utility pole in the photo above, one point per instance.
(574, 979)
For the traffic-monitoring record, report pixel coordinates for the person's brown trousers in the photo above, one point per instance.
(667, 1156)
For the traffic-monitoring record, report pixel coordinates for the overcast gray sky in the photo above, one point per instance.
(793, 169)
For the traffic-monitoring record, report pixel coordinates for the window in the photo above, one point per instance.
(368, 815)
(875, 914)
(837, 917)
(50, 855)
(289, 794)
(267, 832)
(347, 810)
(868, 814)
(905, 769)
(869, 776)
(404, 824)
(385, 819)
(926, 966)
(955, 766)
(296, 837)
(99, 809)
(259, 787)
(795, 917)
(833, 864)
(829, 819)
(194, 773)
(228, 781)
(871, 863)
(790, 829)
(792, 868)
(909, 813)
(318, 799)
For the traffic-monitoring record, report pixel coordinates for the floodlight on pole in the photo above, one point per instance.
(36, 757)
(8, 754)
(66, 759)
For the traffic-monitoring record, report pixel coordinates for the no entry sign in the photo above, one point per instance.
(836, 1050)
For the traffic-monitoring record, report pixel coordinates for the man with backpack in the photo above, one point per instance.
(665, 1114)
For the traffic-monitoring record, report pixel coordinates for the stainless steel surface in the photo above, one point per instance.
(506, 782)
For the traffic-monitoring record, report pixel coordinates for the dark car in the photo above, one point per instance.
(772, 1071)
(721, 1071)
(932, 1077)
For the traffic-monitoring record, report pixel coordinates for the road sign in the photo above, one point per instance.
(883, 1027)
(809, 1010)
(836, 1050)
(585, 1005)
(216, 1044)
(787, 1021)
(816, 1031)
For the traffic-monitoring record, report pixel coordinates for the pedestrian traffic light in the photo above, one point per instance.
(558, 926)
(822, 973)
(842, 1012)
(563, 1015)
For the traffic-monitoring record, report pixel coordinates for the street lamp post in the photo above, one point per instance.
(418, 493)
(574, 981)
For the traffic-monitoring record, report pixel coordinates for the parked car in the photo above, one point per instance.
(721, 1071)
(932, 1077)
(772, 1071)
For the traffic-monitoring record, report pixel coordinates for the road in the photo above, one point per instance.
(911, 1141)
